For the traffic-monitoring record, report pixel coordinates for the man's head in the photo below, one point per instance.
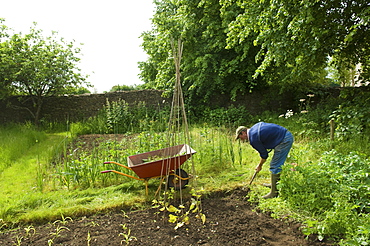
(241, 132)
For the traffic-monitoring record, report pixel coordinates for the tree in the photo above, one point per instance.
(207, 67)
(124, 88)
(36, 66)
(237, 46)
(79, 90)
(4, 84)
(297, 37)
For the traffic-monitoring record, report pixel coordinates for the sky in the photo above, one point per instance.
(109, 31)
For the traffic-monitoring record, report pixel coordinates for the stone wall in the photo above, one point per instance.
(75, 108)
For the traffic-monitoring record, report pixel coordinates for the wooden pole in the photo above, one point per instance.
(332, 129)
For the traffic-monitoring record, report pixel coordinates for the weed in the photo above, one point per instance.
(93, 224)
(18, 241)
(63, 221)
(88, 239)
(124, 215)
(56, 234)
(30, 231)
(126, 234)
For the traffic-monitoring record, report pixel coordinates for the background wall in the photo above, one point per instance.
(74, 108)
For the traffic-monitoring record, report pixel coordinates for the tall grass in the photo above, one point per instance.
(79, 167)
(15, 140)
(118, 117)
(26, 172)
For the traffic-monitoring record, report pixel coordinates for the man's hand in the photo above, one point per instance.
(259, 166)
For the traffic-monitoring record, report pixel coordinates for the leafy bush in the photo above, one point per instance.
(122, 118)
(118, 117)
(336, 190)
(224, 116)
(352, 116)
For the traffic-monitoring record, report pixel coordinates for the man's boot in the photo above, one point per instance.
(274, 192)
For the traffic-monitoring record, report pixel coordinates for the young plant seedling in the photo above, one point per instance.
(126, 234)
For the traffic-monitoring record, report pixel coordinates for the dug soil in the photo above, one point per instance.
(230, 220)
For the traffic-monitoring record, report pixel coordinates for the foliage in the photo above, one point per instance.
(291, 39)
(122, 118)
(231, 47)
(72, 90)
(124, 88)
(224, 116)
(119, 117)
(352, 117)
(336, 190)
(39, 66)
(207, 67)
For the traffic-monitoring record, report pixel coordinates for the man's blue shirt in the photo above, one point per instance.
(266, 136)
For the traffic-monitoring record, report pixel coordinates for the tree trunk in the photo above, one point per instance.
(38, 106)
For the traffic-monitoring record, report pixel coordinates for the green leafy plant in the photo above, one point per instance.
(180, 215)
(30, 231)
(352, 117)
(336, 190)
(127, 235)
(56, 234)
(18, 241)
(64, 220)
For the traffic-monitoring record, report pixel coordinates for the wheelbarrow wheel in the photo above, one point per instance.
(176, 182)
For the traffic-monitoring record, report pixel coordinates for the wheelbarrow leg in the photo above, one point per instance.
(146, 186)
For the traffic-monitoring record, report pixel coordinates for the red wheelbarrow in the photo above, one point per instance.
(160, 163)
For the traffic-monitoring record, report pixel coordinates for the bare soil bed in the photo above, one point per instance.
(230, 220)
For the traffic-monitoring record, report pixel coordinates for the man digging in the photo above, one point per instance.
(265, 137)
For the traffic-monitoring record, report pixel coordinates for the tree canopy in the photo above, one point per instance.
(207, 66)
(38, 66)
(232, 46)
(298, 36)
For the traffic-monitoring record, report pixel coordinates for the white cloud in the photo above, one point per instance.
(108, 29)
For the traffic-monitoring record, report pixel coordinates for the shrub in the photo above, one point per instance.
(352, 116)
(225, 116)
(336, 190)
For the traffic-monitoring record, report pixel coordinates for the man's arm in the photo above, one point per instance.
(259, 166)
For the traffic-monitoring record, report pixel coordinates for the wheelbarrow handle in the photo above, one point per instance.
(124, 174)
(107, 171)
(119, 164)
